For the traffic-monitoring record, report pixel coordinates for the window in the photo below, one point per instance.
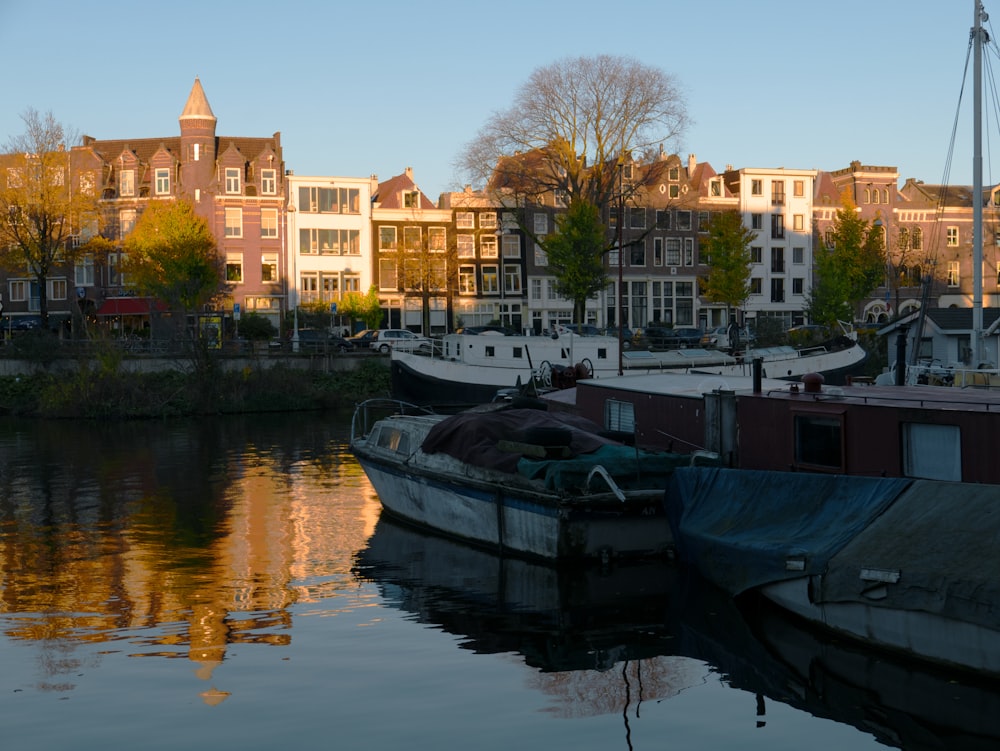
(673, 257)
(388, 277)
(798, 285)
(512, 278)
(674, 174)
(309, 287)
(466, 246)
(756, 288)
(932, 452)
(637, 256)
(386, 238)
(798, 222)
(953, 274)
(756, 187)
(777, 193)
(466, 280)
(491, 280)
(465, 220)
(436, 239)
(715, 187)
(488, 220)
(126, 222)
(269, 267)
(329, 200)
(619, 416)
(798, 255)
(412, 238)
(798, 188)
(115, 276)
(536, 289)
(234, 222)
(268, 222)
(689, 251)
(232, 180)
(777, 260)
(684, 220)
(511, 246)
(541, 257)
(819, 441)
(953, 237)
(657, 251)
(675, 191)
(756, 254)
(612, 217)
(918, 238)
(541, 223)
(126, 183)
(488, 246)
(234, 267)
(18, 291)
(83, 272)
(162, 182)
(704, 220)
(269, 182)
(777, 290)
(756, 221)
(411, 199)
(662, 219)
(57, 289)
(637, 217)
(777, 226)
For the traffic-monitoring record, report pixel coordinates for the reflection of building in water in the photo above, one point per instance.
(176, 539)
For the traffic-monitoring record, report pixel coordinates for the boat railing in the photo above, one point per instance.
(370, 411)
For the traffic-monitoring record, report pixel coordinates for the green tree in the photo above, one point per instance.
(44, 207)
(172, 256)
(575, 251)
(727, 250)
(365, 308)
(847, 270)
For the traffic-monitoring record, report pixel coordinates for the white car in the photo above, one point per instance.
(385, 339)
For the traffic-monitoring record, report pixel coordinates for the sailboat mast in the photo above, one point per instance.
(977, 188)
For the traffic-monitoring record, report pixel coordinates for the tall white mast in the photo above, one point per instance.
(977, 187)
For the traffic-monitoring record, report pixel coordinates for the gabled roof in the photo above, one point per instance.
(959, 319)
(389, 194)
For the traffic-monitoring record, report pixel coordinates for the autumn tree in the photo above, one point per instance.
(44, 208)
(726, 251)
(366, 308)
(171, 255)
(426, 267)
(575, 254)
(847, 270)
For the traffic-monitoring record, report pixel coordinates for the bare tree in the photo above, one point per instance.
(572, 127)
(44, 208)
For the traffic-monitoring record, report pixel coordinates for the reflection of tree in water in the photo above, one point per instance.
(175, 536)
(620, 689)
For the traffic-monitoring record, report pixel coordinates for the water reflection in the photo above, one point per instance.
(175, 539)
(604, 642)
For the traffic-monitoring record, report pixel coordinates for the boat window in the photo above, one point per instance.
(393, 439)
(819, 441)
(517, 353)
(932, 452)
(619, 416)
(602, 353)
(489, 351)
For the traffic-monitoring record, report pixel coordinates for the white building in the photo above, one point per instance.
(778, 205)
(329, 238)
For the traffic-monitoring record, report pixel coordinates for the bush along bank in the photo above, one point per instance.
(103, 393)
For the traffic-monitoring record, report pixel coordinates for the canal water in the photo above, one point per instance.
(229, 584)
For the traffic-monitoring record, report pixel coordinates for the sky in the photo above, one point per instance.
(361, 88)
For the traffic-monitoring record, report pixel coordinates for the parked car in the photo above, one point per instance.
(385, 339)
(663, 337)
(718, 338)
(628, 336)
(321, 340)
(362, 339)
(688, 336)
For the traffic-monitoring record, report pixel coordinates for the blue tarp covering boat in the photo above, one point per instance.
(741, 528)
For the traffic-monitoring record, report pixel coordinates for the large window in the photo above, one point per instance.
(819, 441)
(465, 220)
(436, 239)
(234, 267)
(317, 200)
(488, 246)
(491, 280)
(162, 185)
(466, 280)
(269, 267)
(126, 183)
(511, 246)
(83, 271)
(512, 278)
(466, 245)
(386, 238)
(268, 222)
(234, 222)
(952, 235)
(269, 182)
(126, 222)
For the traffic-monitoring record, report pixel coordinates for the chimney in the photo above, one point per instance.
(409, 172)
(692, 163)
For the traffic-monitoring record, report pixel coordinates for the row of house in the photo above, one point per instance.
(466, 259)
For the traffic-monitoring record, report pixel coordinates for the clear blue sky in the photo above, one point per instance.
(359, 87)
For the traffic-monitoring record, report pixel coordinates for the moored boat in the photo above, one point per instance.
(525, 481)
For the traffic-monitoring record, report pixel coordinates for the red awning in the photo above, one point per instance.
(128, 306)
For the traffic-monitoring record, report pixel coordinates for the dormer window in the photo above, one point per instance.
(162, 185)
(126, 183)
(715, 187)
(232, 180)
(411, 199)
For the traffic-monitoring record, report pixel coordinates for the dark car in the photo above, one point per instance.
(628, 336)
(688, 336)
(362, 339)
(321, 340)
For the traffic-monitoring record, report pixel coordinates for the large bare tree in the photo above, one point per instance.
(44, 207)
(573, 125)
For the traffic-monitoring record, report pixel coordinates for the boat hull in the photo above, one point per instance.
(505, 517)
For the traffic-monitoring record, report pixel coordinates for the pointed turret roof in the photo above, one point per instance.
(197, 107)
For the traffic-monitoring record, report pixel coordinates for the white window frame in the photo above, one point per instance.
(488, 246)
(511, 246)
(234, 221)
(540, 223)
(233, 181)
(162, 181)
(465, 245)
(235, 261)
(268, 223)
(465, 220)
(126, 183)
(488, 220)
(269, 182)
